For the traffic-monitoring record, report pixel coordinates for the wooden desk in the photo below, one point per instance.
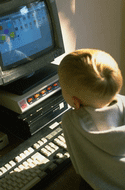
(68, 180)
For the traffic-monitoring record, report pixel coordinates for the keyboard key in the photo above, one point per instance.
(25, 181)
(26, 165)
(50, 149)
(12, 163)
(29, 160)
(20, 185)
(53, 146)
(27, 173)
(44, 167)
(49, 136)
(54, 125)
(67, 155)
(33, 174)
(32, 165)
(3, 170)
(15, 185)
(1, 173)
(40, 158)
(40, 143)
(58, 129)
(31, 183)
(30, 149)
(22, 156)
(45, 152)
(29, 178)
(61, 138)
(44, 140)
(21, 176)
(42, 174)
(37, 170)
(59, 160)
(17, 170)
(36, 146)
(26, 152)
(52, 166)
(9, 182)
(18, 159)
(7, 177)
(8, 166)
(19, 180)
(54, 133)
(21, 167)
(36, 162)
(59, 155)
(60, 143)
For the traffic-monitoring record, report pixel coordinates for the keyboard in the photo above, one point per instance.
(36, 161)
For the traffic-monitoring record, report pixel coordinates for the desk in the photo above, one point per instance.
(68, 180)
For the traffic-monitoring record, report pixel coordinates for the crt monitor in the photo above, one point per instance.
(30, 37)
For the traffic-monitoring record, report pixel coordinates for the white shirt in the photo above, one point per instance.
(96, 143)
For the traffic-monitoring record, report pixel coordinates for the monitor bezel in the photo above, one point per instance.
(10, 75)
(32, 57)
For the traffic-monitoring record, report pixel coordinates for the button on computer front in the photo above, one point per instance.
(36, 95)
(49, 88)
(29, 100)
(55, 84)
(43, 92)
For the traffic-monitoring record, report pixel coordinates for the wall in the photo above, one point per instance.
(94, 24)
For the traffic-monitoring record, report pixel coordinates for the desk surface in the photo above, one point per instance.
(68, 180)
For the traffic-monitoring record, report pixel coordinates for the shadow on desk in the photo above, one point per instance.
(69, 180)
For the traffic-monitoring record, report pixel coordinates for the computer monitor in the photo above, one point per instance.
(30, 37)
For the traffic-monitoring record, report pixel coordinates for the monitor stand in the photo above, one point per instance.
(23, 85)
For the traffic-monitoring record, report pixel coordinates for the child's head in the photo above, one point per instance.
(89, 77)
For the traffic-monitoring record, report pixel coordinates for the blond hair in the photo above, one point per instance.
(92, 69)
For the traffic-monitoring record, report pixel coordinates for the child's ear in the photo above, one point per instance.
(77, 102)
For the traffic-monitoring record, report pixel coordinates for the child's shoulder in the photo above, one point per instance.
(74, 115)
(121, 97)
(67, 114)
(70, 116)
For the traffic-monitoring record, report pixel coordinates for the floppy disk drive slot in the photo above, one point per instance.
(44, 120)
(42, 113)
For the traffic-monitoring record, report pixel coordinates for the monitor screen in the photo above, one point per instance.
(24, 34)
(30, 37)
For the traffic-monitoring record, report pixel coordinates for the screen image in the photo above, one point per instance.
(25, 34)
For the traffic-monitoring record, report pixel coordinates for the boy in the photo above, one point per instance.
(94, 130)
